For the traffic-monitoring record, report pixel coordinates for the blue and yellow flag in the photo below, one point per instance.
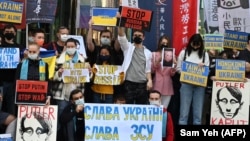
(50, 58)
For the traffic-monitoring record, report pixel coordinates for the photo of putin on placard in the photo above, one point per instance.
(168, 57)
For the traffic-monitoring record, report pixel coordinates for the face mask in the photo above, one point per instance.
(104, 58)
(164, 46)
(71, 51)
(33, 56)
(40, 42)
(137, 40)
(64, 37)
(80, 101)
(31, 39)
(105, 41)
(155, 102)
(9, 36)
(195, 49)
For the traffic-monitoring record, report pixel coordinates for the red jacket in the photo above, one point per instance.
(170, 128)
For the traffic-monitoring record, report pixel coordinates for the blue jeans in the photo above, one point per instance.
(102, 98)
(191, 95)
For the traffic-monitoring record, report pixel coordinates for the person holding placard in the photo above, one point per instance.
(34, 68)
(60, 90)
(191, 94)
(162, 80)
(7, 75)
(103, 93)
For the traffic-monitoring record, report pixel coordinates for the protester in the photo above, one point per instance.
(103, 93)
(7, 75)
(137, 67)
(72, 117)
(59, 45)
(39, 38)
(93, 50)
(162, 80)
(34, 68)
(192, 94)
(167, 123)
(60, 90)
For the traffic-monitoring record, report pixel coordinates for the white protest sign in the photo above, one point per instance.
(108, 75)
(9, 58)
(75, 73)
(126, 122)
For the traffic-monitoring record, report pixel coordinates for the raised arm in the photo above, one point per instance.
(91, 45)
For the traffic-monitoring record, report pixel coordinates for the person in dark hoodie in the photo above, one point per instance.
(72, 118)
(7, 75)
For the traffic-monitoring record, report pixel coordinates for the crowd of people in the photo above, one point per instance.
(146, 80)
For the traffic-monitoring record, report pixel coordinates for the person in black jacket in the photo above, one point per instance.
(72, 117)
(34, 68)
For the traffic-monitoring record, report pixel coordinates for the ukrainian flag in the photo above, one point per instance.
(50, 58)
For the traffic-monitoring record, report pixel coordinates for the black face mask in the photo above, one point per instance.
(164, 46)
(9, 36)
(195, 49)
(104, 58)
(137, 40)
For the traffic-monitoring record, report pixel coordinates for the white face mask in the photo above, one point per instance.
(80, 101)
(31, 39)
(155, 102)
(64, 37)
(105, 41)
(71, 51)
(33, 56)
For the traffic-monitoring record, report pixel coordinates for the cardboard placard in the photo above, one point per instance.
(31, 92)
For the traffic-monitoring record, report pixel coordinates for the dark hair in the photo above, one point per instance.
(42, 118)
(248, 37)
(61, 27)
(38, 30)
(8, 26)
(141, 31)
(110, 61)
(76, 42)
(197, 39)
(104, 31)
(154, 91)
(73, 92)
(159, 48)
